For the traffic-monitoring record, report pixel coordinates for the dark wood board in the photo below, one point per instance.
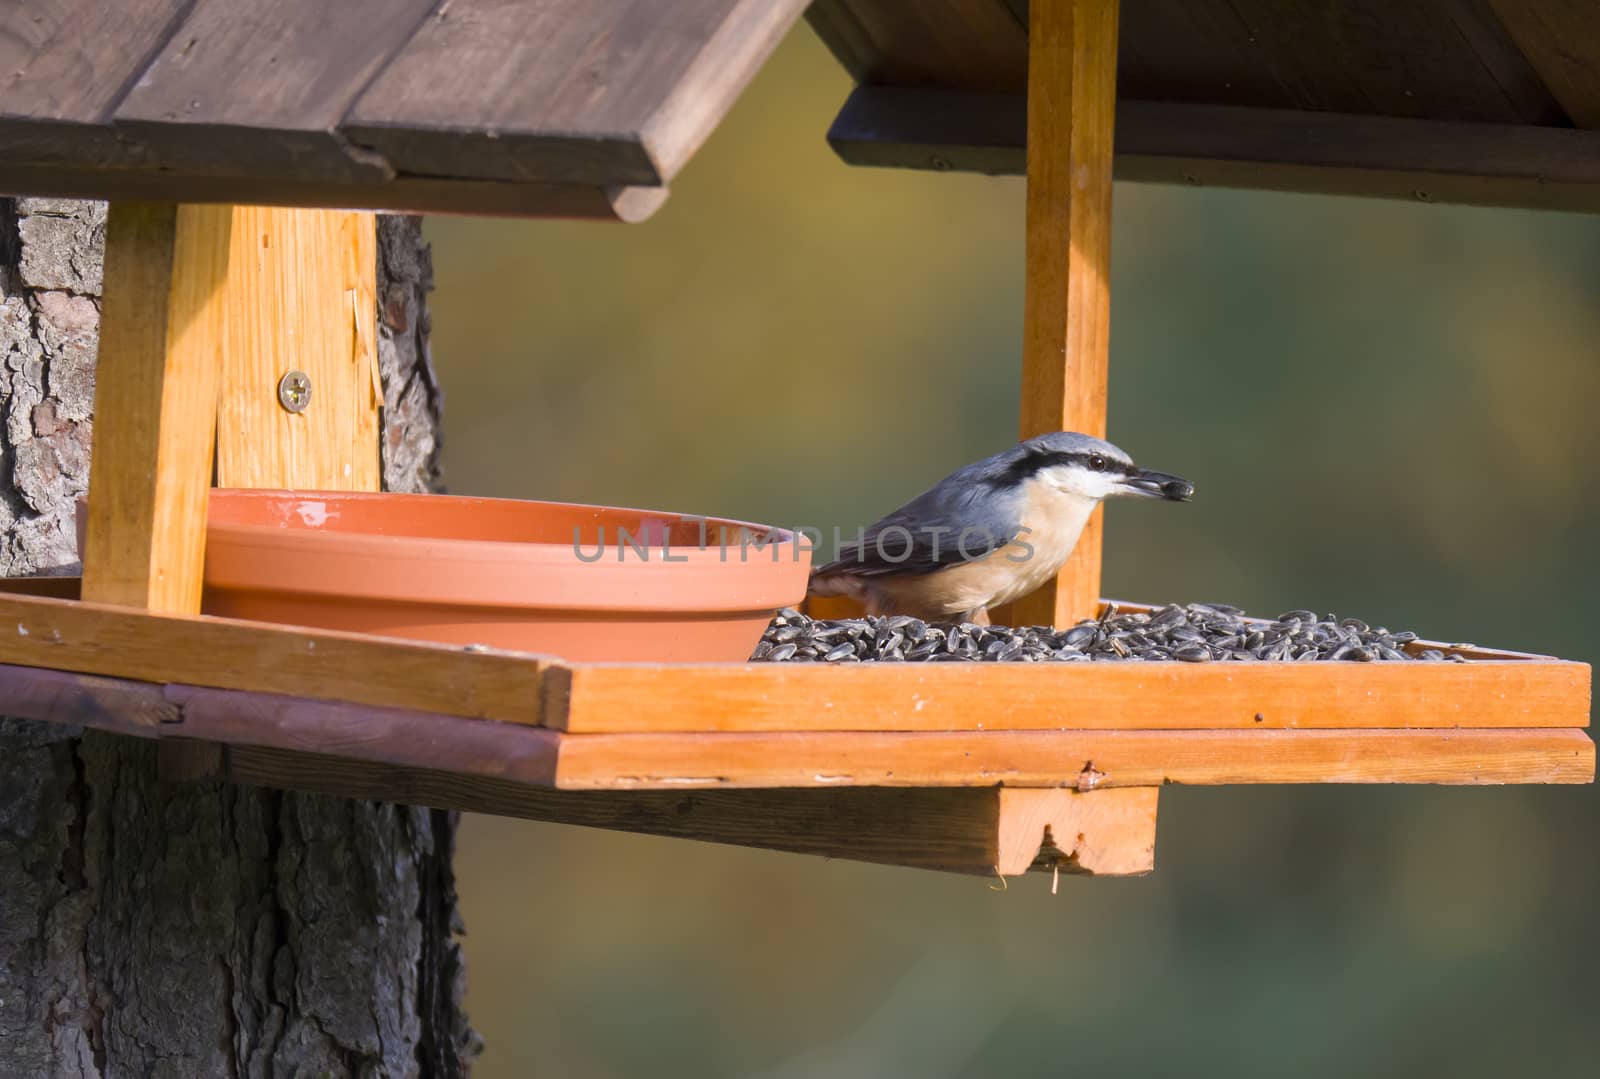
(546, 108)
(958, 44)
(609, 91)
(71, 60)
(245, 88)
(1434, 59)
(1225, 146)
(403, 194)
(1557, 37)
(63, 67)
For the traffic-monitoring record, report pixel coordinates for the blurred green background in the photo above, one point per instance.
(1388, 410)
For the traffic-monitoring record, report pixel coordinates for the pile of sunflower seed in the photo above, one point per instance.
(1194, 633)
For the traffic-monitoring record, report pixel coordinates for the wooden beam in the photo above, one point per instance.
(301, 296)
(976, 831)
(55, 587)
(1104, 833)
(161, 341)
(1072, 89)
(1238, 147)
(771, 697)
(1558, 38)
(91, 638)
(1082, 760)
(1087, 760)
(19, 175)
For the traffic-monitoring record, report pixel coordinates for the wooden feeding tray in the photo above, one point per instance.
(979, 768)
(826, 759)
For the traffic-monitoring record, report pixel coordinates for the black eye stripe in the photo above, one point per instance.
(1034, 463)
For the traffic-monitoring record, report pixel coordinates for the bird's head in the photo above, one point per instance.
(1078, 466)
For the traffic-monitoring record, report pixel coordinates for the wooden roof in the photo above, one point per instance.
(589, 108)
(559, 107)
(1440, 100)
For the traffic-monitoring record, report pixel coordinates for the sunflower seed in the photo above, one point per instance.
(1196, 633)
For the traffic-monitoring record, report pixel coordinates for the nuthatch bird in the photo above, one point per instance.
(988, 533)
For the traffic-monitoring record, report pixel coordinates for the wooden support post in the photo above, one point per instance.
(161, 334)
(301, 297)
(1072, 87)
(1107, 833)
(980, 831)
(300, 304)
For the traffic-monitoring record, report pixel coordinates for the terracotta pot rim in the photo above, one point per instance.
(784, 536)
(495, 573)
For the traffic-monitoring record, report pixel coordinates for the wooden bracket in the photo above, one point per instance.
(205, 309)
(301, 297)
(1107, 833)
(979, 831)
(162, 326)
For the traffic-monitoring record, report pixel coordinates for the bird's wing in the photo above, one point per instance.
(932, 532)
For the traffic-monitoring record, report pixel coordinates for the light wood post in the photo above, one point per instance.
(162, 326)
(1072, 88)
(1106, 833)
(301, 298)
(206, 309)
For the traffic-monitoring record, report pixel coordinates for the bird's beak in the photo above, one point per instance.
(1152, 484)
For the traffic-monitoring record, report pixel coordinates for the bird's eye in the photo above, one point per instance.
(1097, 463)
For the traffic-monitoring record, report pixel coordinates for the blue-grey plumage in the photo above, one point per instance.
(988, 533)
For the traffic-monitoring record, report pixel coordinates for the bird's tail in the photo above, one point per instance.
(835, 580)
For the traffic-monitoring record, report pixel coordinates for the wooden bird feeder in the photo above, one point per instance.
(195, 120)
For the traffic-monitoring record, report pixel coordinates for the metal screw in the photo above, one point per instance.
(294, 391)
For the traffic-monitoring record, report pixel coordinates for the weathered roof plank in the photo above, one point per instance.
(1559, 38)
(70, 60)
(563, 92)
(64, 65)
(957, 44)
(246, 88)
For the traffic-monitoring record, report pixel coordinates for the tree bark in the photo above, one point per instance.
(206, 930)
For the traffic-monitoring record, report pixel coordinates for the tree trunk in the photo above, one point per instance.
(151, 929)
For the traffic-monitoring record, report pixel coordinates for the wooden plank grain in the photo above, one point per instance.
(1102, 833)
(1030, 696)
(70, 60)
(246, 88)
(1072, 89)
(1561, 39)
(91, 638)
(1382, 58)
(301, 295)
(609, 92)
(979, 831)
(963, 44)
(1085, 760)
(184, 715)
(116, 705)
(156, 380)
(402, 194)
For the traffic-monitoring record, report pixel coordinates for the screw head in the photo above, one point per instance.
(294, 391)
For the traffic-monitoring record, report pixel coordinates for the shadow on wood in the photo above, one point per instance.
(977, 831)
